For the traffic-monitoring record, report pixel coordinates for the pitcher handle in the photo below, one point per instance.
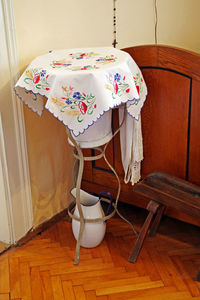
(111, 200)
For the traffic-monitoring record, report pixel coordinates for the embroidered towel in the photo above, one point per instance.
(131, 147)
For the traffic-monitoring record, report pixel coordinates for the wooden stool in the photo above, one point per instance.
(164, 190)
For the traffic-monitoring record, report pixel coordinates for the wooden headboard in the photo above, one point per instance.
(170, 123)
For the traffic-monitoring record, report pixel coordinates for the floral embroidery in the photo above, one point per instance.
(60, 63)
(82, 55)
(138, 82)
(68, 64)
(117, 84)
(38, 77)
(82, 68)
(57, 102)
(75, 103)
(107, 59)
(77, 96)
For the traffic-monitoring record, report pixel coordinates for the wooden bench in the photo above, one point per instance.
(164, 190)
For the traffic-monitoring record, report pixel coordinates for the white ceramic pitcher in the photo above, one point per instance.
(94, 232)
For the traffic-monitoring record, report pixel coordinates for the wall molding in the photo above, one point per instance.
(25, 205)
(6, 231)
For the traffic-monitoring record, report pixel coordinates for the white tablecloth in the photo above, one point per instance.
(78, 86)
(82, 84)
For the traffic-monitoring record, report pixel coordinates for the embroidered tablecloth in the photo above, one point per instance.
(80, 85)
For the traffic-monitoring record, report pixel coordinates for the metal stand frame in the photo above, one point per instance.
(78, 154)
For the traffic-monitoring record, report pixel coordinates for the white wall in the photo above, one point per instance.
(178, 23)
(43, 25)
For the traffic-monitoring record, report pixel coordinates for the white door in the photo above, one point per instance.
(16, 217)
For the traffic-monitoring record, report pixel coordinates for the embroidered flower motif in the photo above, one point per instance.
(60, 63)
(88, 67)
(68, 90)
(76, 104)
(107, 59)
(68, 101)
(38, 77)
(83, 107)
(138, 82)
(81, 55)
(77, 96)
(70, 67)
(117, 85)
(67, 62)
(117, 77)
(43, 73)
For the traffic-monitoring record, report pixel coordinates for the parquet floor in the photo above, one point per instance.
(43, 268)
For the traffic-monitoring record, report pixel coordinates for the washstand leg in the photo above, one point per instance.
(75, 176)
(78, 202)
(78, 170)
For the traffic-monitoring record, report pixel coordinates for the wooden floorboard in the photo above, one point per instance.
(43, 268)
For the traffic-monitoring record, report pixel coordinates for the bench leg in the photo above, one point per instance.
(152, 208)
(198, 276)
(156, 221)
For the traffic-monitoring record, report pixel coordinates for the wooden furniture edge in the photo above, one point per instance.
(164, 56)
(161, 196)
(139, 201)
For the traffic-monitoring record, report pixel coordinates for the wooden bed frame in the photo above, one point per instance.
(170, 125)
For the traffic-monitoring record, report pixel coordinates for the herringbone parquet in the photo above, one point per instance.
(43, 268)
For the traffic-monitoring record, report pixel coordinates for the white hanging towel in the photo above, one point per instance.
(131, 146)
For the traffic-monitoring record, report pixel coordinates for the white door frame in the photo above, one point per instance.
(18, 201)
